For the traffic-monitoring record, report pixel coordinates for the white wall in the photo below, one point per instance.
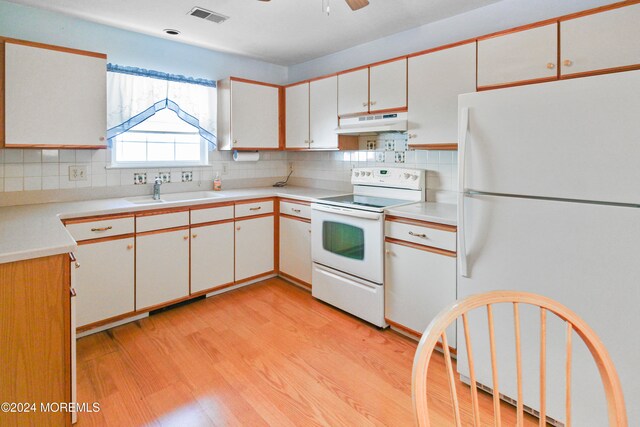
(129, 48)
(495, 17)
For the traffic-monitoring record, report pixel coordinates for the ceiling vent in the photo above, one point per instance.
(201, 13)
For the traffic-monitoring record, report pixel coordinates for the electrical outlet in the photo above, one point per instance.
(139, 178)
(389, 145)
(380, 157)
(77, 173)
(225, 168)
(371, 144)
(290, 167)
(400, 155)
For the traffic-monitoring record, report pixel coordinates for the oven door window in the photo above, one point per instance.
(343, 239)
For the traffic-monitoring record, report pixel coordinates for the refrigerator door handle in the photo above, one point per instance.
(463, 132)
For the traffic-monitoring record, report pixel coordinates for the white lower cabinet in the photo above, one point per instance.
(211, 256)
(104, 281)
(295, 249)
(254, 247)
(162, 267)
(418, 285)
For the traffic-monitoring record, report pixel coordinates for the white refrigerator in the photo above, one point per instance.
(549, 202)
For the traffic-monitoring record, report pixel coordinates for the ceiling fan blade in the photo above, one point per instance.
(357, 4)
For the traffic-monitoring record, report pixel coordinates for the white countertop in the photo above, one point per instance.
(33, 231)
(442, 213)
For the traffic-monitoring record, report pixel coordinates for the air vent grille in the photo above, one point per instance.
(201, 13)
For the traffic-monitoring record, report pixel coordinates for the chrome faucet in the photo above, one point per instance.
(156, 188)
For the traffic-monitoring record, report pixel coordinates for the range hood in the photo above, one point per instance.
(373, 124)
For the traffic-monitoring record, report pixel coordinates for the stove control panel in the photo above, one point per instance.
(413, 179)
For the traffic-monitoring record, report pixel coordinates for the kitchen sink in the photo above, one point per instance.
(173, 197)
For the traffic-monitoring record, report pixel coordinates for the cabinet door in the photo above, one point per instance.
(353, 92)
(519, 57)
(323, 112)
(54, 98)
(418, 285)
(601, 41)
(254, 115)
(212, 255)
(295, 248)
(388, 86)
(162, 267)
(254, 247)
(435, 81)
(297, 109)
(104, 281)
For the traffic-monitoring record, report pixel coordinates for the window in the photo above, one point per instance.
(157, 120)
(163, 138)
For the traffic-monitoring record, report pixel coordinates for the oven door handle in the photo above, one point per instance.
(348, 212)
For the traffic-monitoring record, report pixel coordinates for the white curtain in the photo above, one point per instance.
(131, 99)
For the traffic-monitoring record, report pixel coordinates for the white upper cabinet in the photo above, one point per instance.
(353, 92)
(323, 112)
(601, 41)
(388, 90)
(518, 57)
(435, 81)
(375, 88)
(248, 115)
(54, 97)
(297, 113)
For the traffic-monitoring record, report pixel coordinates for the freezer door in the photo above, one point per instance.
(573, 139)
(585, 256)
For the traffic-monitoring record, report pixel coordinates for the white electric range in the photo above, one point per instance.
(348, 239)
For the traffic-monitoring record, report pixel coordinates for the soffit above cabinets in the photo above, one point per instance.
(284, 32)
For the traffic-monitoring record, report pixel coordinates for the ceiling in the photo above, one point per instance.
(284, 32)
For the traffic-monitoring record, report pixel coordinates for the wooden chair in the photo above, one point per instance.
(436, 331)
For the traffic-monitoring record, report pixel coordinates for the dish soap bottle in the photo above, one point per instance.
(217, 182)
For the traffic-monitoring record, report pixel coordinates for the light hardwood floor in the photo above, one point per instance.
(265, 355)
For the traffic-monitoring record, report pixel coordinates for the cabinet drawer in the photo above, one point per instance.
(421, 234)
(254, 208)
(211, 214)
(295, 209)
(160, 221)
(100, 228)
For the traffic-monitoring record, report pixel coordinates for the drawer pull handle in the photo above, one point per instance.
(411, 233)
(73, 292)
(129, 247)
(551, 65)
(255, 209)
(295, 210)
(185, 237)
(102, 229)
(194, 235)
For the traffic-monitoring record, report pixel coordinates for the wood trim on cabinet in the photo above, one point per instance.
(214, 289)
(106, 239)
(211, 205)
(420, 247)
(103, 322)
(295, 84)
(52, 47)
(161, 211)
(439, 147)
(282, 118)
(518, 83)
(249, 201)
(420, 223)
(390, 110)
(2, 94)
(206, 224)
(296, 218)
(296, 201)
(257, 276)
(519, 29)
(246, 218)
(295, 280)
(597, 10)
(415, 334)
(255, 82)
(162, 305)
(56, 146)
(276, 236)
(93, 218)
(600, 71)
(443, 47)
(163, 230)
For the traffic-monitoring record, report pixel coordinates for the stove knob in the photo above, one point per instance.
(414, 177)
(356, 174)
(367, 173)
(406, 176)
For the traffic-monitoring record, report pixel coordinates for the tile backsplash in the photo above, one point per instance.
(38, 170)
